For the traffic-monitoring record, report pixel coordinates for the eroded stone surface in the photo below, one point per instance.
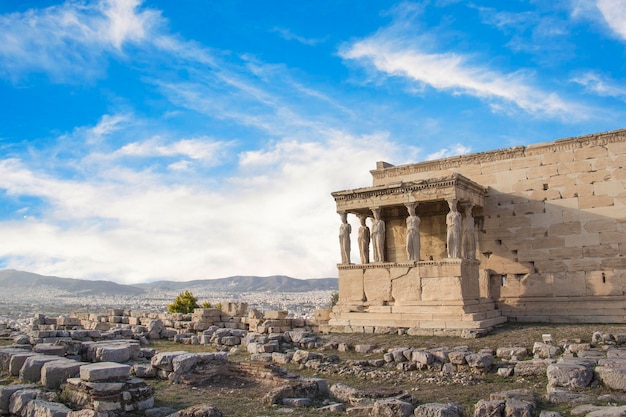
(104, 371)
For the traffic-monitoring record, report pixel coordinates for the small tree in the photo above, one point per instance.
(185, 303)
(207, 304)
(334, 299)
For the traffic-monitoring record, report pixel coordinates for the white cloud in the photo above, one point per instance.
(139, 225)
(290, 36)
(205, 149)
(107, 125)
(601, 85)
(614, 13)
(124, 23)
(454, 150)
(399, 52)
(70, 40)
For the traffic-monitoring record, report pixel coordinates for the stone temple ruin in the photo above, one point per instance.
(528, 234)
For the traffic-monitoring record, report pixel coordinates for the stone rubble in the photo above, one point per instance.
(103, 375)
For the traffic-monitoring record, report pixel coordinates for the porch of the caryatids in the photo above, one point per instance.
(454, 237)
(364, 240)
(412, 233)
(344, 238)
(469, 234)
(378, 236)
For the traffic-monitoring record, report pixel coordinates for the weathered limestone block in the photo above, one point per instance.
(55, 373)
(275, 315)
(302, 356)
(518, 394)
(144, 370)
(168, 333)
(40, 408)
(130, 395)
(484, 408)
(20, 398)
(438, 410)
(49, 349)
(184, 363)
(344, 393)
(570, 374)
(377, 285)
(614, 411)
(31, 370)
(154, 329)
(17, 361)
(5, 357)
(302, 388)
(480, 360)
(364, 348)
(406, 285)
(517, 408)
(104, 371)
(112, 353)
(6, 391)
(163, 360)
(297, 402)
(612, 377)
(457, 358)
(392, 407)
(421, 356)
(351, 285)
(565, 396)
(68, 321)
(511, 352)
(532, 367)
(281, 358)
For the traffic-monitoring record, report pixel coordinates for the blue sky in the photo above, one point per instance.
(195, 139)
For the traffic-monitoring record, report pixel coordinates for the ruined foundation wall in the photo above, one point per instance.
(552, 241)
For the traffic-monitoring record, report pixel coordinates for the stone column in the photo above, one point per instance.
(344, 238)
(453, 222)
(469, 236)
(412, 233)
(378, 236)
(364, 240)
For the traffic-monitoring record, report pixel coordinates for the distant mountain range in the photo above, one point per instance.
(20, 282)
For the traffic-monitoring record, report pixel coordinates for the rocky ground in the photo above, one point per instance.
(516, 370)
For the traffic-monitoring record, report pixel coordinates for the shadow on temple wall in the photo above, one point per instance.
(551, 247)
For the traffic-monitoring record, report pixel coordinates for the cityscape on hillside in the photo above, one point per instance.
(21, 302)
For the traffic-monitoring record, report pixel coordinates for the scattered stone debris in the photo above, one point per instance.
(100, 373)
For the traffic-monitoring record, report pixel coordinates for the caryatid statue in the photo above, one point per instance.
(364, 240)
(378, 236)
(469, 237)
(453, 221)
(344, 238)
(412, 234)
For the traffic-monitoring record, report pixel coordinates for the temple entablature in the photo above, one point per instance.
(455, 186)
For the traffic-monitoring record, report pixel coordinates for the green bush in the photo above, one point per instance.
(184, 303)
(207, 304)
(334, 299)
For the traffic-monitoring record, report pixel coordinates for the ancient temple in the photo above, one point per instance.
(459, 244)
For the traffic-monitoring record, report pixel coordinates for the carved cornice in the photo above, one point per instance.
(384, 265)
(597, 139)
(451, 181)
